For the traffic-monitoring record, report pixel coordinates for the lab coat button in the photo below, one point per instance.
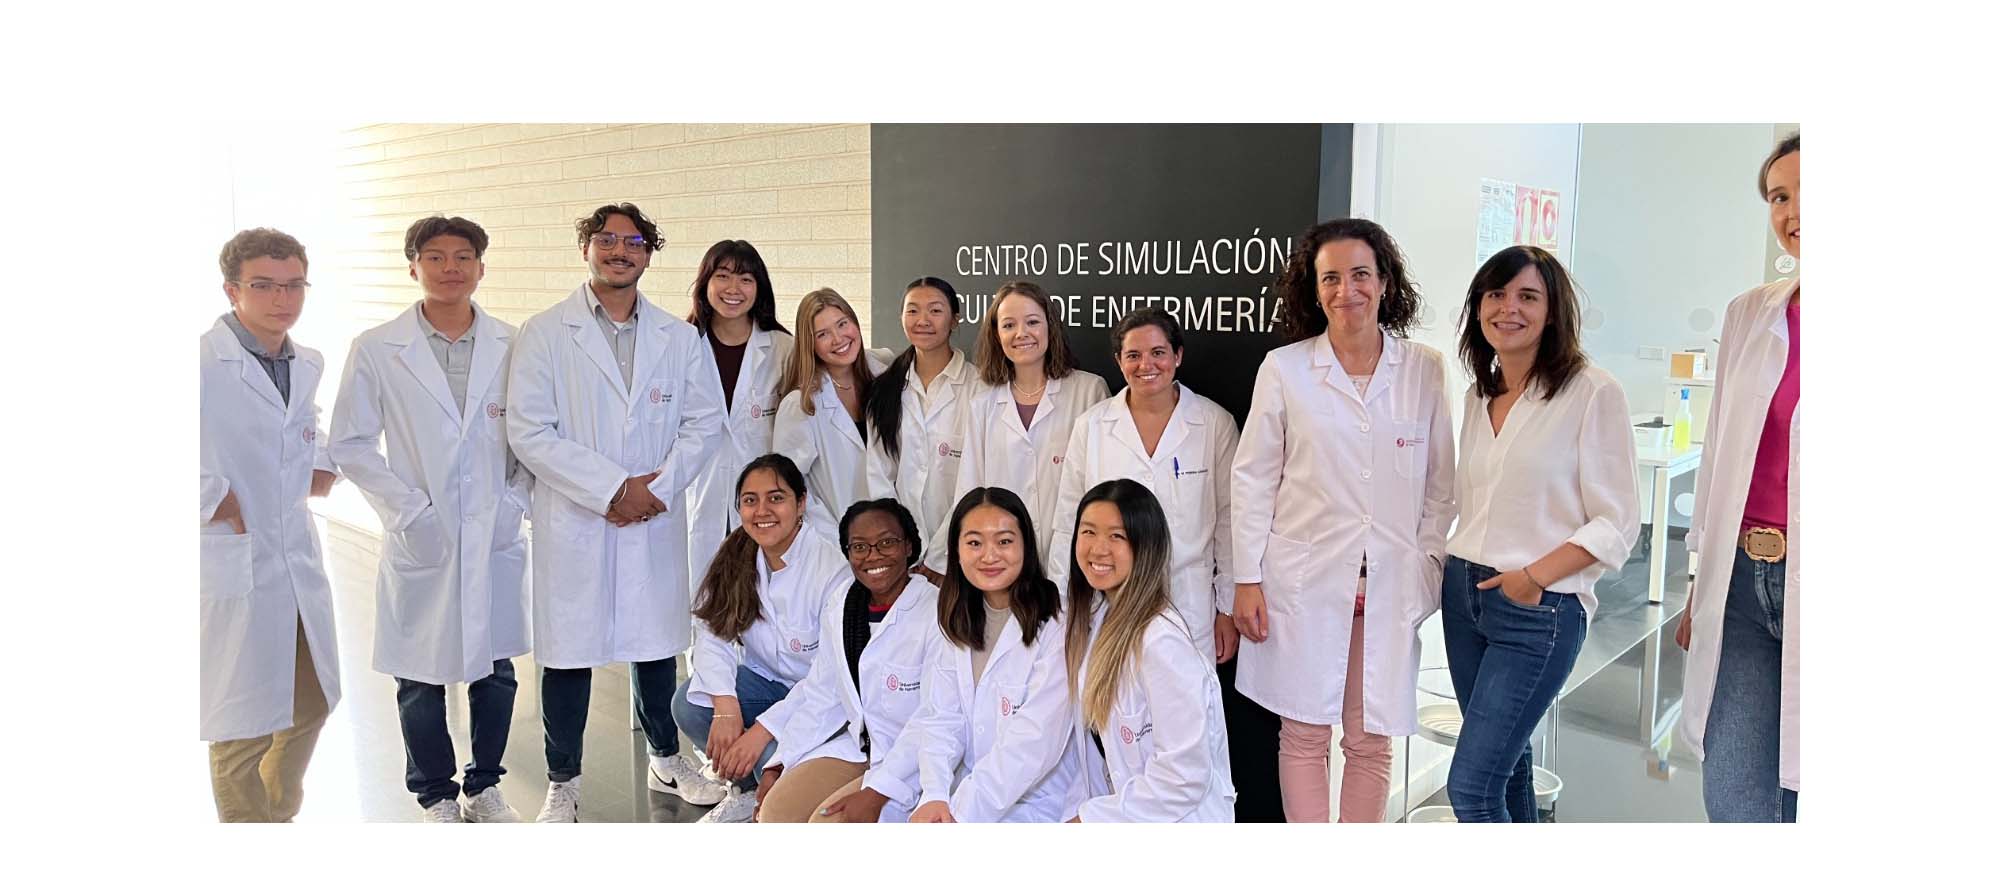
(1365, 473)
(1367, 520)
(1364, 427)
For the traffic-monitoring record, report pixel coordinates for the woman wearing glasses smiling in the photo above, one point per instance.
(845, 757)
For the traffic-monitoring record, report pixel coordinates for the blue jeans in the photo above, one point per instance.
(1508, 662)
(1739, 768)
(754, 692)
(428, 760)
(566, 705)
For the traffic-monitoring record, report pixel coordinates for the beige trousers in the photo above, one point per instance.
(261, 780)
(809, 786)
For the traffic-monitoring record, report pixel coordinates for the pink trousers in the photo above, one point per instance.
(1303, 749)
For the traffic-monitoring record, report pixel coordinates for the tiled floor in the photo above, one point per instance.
(357, 773)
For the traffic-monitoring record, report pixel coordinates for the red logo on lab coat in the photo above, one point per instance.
(1408, 442)
(1006, 707)
(654, 395)
(493, 411)
(944, 449)
(1058, 460)
(1125, 734)
(756, 410)
(309, 435)
(796, 646)
(892, 683)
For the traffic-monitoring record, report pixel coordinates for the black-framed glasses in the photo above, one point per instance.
(608, 241)
(858, 549)
(265, 287)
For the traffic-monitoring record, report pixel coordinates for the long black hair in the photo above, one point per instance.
(885, 394)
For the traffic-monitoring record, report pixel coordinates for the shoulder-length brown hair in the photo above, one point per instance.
(994, 368)
(727, 600)
(804, 371)
(1558, 357)
(737, 256)
(961, 607)
(1298, 284)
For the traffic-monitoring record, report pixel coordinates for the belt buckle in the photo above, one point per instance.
(1764, 544)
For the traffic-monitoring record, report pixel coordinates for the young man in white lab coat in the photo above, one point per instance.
(269, 673)
(614, 405)
(449, 605)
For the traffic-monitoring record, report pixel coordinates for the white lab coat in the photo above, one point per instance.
(785, 639)
(1188, 472)
(832, 708)
(1324, 476)
(1755, 343)
(604, 593)
(747, 423)
(259, 588)
(1027, 461)
(930, 441)
(1166, 750)
(1004, 749)
(827, 446)
(449, 599)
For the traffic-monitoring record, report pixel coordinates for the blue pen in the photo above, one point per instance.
(1177, 467)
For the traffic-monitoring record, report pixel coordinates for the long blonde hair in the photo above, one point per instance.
(1134, 604)
(804, 371)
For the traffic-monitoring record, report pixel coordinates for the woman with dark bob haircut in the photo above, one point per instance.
(1548, 502)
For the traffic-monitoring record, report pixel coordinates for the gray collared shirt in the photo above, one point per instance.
(278, 366)
(454, 356)
(623, 336)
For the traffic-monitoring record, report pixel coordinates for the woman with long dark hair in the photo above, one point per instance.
(916, 415)
(995, 731)
(845, 757)
(756, 632)
(735, 308)
(1146, 689)
(1548, 502)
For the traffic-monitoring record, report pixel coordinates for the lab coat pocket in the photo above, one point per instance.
(1286, 563)
(421, 544)
(226, 570)
(1412, 452)
(1426, 582)
(507, 529)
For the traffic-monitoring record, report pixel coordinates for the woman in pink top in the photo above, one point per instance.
(1740, 712)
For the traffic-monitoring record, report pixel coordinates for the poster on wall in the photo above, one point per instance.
(1513, 215)
(1194, 219)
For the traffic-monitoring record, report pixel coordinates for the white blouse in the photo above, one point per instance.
(1560, 470)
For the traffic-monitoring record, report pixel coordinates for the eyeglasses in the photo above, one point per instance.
(608, 241)
(858, 549)
(265, 287)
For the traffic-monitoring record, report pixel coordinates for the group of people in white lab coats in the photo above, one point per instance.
(935, 589)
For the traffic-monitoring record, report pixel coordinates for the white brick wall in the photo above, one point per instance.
(799, 192)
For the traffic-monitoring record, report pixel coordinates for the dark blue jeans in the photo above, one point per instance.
(428, 760)
(1739, 768)
(1507, 664)
(755, 693)
(566, 705)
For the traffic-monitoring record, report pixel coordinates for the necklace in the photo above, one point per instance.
(1018, 393)
(839, 385)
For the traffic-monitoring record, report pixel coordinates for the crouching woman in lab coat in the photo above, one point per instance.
(1741, 628)
(756, 632)
(1158, 750)
(995, 733)
(820, 424)
(845, 756)
(1548, 501)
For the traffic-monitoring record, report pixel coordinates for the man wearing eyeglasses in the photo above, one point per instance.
(420, 427)
(614, 405)
(269, 673)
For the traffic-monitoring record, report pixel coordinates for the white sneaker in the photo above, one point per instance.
(735, 808)
(561, 803)
(444, 811)
(490, 807)
(675, 775)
